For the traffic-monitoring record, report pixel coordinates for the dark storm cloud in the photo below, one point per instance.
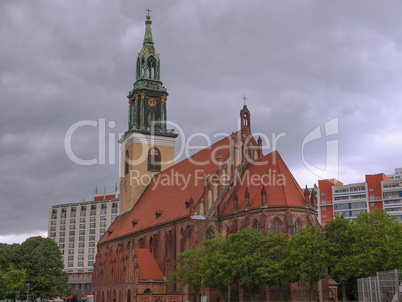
(300, 64)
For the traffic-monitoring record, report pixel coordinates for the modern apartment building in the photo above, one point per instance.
(76, 228)
(379, 191)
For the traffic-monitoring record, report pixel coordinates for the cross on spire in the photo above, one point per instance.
(148, 10)
(244, 99)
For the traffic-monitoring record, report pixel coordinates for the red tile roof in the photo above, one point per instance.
(164, 200)
(169, 193)
(282, 190)
(148, 269)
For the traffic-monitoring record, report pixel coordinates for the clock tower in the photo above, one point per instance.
(147, 147)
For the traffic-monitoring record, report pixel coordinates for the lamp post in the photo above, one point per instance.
(27, 285)
(65, 294)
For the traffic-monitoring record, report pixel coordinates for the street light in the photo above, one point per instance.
(27, 285)
(65, 294)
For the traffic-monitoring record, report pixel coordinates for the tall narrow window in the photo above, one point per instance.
(126, 163)
(154, 160)
(276, 227)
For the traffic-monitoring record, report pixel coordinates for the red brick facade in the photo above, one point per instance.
(231, 186)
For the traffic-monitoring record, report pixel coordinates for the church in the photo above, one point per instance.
(167, 208)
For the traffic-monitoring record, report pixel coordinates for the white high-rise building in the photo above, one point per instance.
(77, 228)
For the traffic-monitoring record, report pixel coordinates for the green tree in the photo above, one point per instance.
(244, 256)
(188, 269)
(278, 260)
(216, 264)
(14, 281)
(378, 243)
(42, 260)
(311, 251)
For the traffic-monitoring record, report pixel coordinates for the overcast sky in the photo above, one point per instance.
(301, 64)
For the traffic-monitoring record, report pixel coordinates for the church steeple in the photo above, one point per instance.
(147, 147)
(147, 101)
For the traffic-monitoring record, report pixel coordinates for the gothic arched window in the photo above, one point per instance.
(151, 66)
(276, 227)
(154, 160)
(255, 225)
(209, 234)
(126, 163)
(298, 226)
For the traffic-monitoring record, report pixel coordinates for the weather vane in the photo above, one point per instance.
(244, 99)
(148, 10)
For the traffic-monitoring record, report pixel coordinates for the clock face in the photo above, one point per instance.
(152, 103)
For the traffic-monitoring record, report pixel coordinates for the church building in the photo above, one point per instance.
(167, 208)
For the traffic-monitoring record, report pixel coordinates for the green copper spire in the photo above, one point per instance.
(148, 32)
(147, 101)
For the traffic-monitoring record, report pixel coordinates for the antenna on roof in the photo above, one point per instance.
(115, 186)
(104, 189)
(96, 189)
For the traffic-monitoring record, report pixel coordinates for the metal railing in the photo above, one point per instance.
(384, 287)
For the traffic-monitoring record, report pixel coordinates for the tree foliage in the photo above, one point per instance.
(312, 254)
(346, 250)
(14, 281)
(41, 261)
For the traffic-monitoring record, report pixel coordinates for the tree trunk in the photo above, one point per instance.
(343, 291)
(312, 292)
(280, 291)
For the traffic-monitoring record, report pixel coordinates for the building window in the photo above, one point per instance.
(72, 214)
(91, 250)
(70, 258)
(102, 231)
(53, 234)
(81, 244)
(71, 252)
(82, 226)
(92, 225)
(154, 160)
(92, 219)
(80, 257)
(71, 239)
(103, 224)
(91, 244)
(80, 251)
(324, 216)
(113, 217)
(91, 257)
(103, 218)
(322, 193)
(82, 220)
(72, 233)
(82, 238)
(92, 213)
(71, 245)
(127, 163)
(80, 263)
(276, 227)
(371, 189)
(61, 246)
(90, 263)
(62, 234)
(324, 208)
(103, 211)
(82, 232)
(62, 221)
(92, 237)
(70, 264)
(72, 226)
(91, 231)
(61, 239)
(298, 226)
(372, 204)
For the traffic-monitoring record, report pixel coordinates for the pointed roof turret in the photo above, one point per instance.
(148, 31)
